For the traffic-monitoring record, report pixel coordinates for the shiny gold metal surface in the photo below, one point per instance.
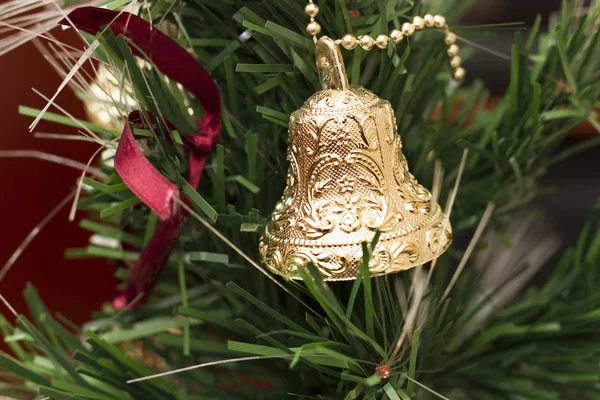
(109, 103)
(348, 178)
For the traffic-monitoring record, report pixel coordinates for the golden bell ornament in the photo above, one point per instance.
(111, 98)
(348, 179)
(109, 103)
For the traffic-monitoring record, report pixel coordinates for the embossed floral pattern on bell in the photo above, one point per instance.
(348, 178)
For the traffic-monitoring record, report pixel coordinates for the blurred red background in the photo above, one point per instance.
(32, 188)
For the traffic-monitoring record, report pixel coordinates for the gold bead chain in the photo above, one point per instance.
(366, 42)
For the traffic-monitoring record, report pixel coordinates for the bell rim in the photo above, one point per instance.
(389, 271)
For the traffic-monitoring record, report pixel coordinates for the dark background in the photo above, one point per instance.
(576, 180)
(32, 187)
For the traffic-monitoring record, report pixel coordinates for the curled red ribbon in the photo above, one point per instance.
(153, 188)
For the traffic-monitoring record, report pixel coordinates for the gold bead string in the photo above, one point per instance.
(382, 41)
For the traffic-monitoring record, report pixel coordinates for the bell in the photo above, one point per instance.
(348, 179)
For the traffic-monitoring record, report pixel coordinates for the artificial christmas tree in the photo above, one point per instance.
(185, 204)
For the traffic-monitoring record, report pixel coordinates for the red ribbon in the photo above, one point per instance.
(154, 189)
